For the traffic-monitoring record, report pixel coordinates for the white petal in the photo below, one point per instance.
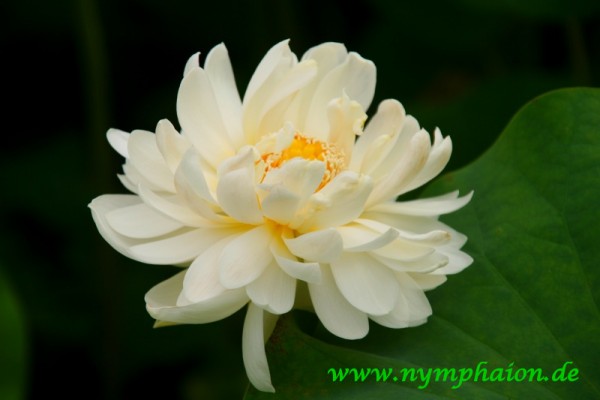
(438, 158)
(218, 68)
(427, 281)
(339, 202)
(356, 77)
(245, 257)
(365, 283)
(235, 189)
(346, 119)
(129, 185)
(201, 280)
(328, 56)
(266, 67)
(171, 144)
(358, 238)
(387, 121)
(394, 184)
(457, 261)
(141, 222)
(425, 264)
(322, 246)
(273, 107)
(101, 206)
(172, 208)
(179, 249)
(118, 141)
(149, 162)
(306, 271)
(274, 290)
(200, 117)
(253, 350)
(161, 303)
(337, 315)
(280, 205)
(429, 207)
(411, 309)
(192, 62)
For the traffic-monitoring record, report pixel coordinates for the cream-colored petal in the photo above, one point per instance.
(253, 350)
(200, 117)
(427, 281)
(305, 271)
(275, 65)
(274, 290)
(192, 62)
(236, 188)
(202, 280)
(335, 312)
(181, 248)
(218, 68)
(342, 200)
(327, 56)
(397, 179)
(172, 207)
(171, 144)
(272, 111)
(428, 207)
(127, 183)
(425, 264)
(387, 121)
(365, 283)
(100, 207)
(359, 238)
(438, 158)
(386, 153)
(141, 222)
(161, 303)
(355, 77)
(322, 246)
(457, 261)
(412, 307)
(280, 205)
(346, 119)
(118, 140)
(245, 258)
(146, 158)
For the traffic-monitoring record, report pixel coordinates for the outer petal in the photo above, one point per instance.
(306, 271)
(161, 303)
(171, 144)
(118, 140)
(335, 312)
(141, 222)
(412, 307)
(395, 183)
(219, 71)
(245, 258)
(200, 117)
(146, 158)
(356, 77)
(322, 246)
(365, 283)
(387, 121)
(274, 290)
(253, 350)
(430, 207)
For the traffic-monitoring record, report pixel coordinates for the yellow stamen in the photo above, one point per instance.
(309, 149)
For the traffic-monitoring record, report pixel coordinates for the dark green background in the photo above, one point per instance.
(73, 316)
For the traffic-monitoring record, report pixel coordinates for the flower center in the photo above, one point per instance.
(309, 149)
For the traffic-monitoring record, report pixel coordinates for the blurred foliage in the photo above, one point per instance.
(75, 68)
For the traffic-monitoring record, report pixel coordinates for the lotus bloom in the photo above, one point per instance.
(285, 198)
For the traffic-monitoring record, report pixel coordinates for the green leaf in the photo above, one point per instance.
(530, 300)
(12, 350)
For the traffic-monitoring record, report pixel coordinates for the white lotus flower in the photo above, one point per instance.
(265, 197)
